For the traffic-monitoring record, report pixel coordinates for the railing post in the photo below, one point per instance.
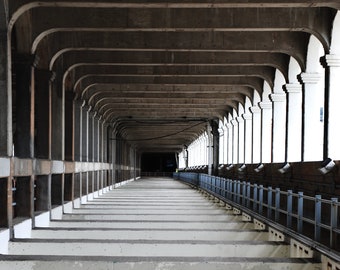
(229, 189)
(300, 213)
(260, 199)
(334, 222)
(317, 218)
(238, 191)
(235, 191)
(213, 184)
(289, 208)
(255, 198)
(269, 202)
(244, 193)
(248, 194)
(224, 188)
(277, 204)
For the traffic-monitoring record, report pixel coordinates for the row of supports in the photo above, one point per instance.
(294, 125)
(54, 149)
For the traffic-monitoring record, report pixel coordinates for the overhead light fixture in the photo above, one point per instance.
(259, 167)
(284, 168)
(242, 168)
(230, 166)
(327, 165)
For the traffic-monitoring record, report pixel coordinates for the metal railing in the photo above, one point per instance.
(312, 217)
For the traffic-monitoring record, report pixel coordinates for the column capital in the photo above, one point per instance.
(265, 105)
(247, 116)
(92, 113)
(49, 75)
(239, 119)
(332, 60)
(234, 122)
(310, 78)
(255, 109)
(293, 88)
(229, 125)
(277, 97)
(26, 59)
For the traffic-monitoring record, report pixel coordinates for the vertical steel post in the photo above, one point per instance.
(244, 193)
(289, 208)
(225, 188)
(255, 198)
(269, 202)
(300, 213)
(235, 191)
(248, 194)
(277, 204)
(334, 222)
(238, 191)
(317, 218)
(260, 199)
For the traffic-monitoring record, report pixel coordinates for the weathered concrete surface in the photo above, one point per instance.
(150, 224)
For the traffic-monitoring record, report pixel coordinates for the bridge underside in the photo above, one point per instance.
(246, 90)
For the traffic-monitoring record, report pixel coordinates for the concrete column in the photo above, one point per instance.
(24, 106)
(95, 137)
(294, 122)
(333, 128)
(5, 96)
(106, 139)
(42, 101)
(85, 131)
(69, 126)
(279, 127)
(230, 143)
(266, 142)
(113, 155)
(77, 130)
(100, 140)
(57, 130)
(241, 140)
(91, 115)
(235, 141)
(221, 148)
(216, 147)
(248, 134)
(225, 144)
(313, 122)
(210, 149)
(256, 134)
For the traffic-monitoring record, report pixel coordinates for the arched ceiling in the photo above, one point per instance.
(160, 71)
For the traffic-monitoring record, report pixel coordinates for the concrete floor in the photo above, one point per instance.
(154, 223)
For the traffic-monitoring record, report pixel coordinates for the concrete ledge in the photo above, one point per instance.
(68, 207)
(57, 167)
(234, 249)
(12, 262)
(42, 220)
(76, 203)
(23, 229)
(4, 238)
(22, 167)
(5, 167)
(57, 213)
(69, 167)
(42, 167)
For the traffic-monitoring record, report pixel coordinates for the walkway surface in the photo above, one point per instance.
(152, 223)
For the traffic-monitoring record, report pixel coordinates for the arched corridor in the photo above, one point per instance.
(93, 91)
